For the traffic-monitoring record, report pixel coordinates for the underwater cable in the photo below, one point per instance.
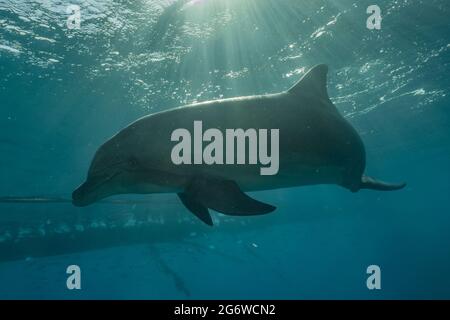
(45, 199)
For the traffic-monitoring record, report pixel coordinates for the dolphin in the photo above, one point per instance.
(316, 146)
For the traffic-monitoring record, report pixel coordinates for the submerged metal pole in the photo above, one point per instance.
(45, 199)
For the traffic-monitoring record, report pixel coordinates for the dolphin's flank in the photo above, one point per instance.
(316, 146)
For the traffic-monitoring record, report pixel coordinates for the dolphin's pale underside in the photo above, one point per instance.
(316, 146)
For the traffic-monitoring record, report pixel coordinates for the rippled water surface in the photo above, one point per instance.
(64, 91)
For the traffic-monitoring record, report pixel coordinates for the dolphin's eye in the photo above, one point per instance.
(133, 163)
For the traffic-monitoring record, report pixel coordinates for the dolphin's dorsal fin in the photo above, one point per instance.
(313, 83)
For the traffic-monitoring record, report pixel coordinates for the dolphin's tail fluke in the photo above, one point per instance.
(373, 184)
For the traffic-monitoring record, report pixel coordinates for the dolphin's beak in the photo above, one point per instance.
(91, 191)
(83, 195)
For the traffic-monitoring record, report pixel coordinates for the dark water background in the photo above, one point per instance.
(63, 92)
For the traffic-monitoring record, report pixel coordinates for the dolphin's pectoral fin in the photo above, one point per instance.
(225, 196)
(371, 183)
(196, 208)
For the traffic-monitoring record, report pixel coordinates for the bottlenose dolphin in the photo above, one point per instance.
(316, 146)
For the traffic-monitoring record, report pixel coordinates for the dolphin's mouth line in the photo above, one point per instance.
(83, 192)
(108, 178)
(89, 189)
(99, 172)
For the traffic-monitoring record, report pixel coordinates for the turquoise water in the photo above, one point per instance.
(64, 91)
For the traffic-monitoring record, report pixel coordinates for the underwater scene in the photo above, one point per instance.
(339, 188)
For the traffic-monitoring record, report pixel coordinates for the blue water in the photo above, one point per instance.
(64, 91)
